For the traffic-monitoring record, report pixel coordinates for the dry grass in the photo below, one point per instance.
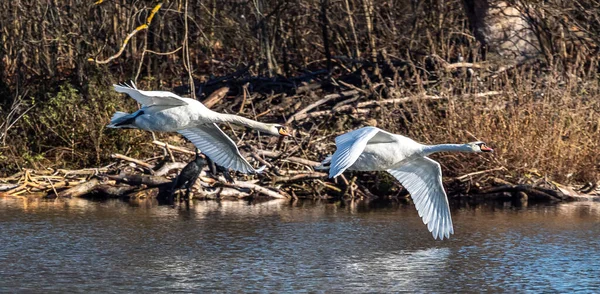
(552, 132)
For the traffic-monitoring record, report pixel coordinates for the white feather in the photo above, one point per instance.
(167, 112)
(422, 177)
(373, 149)
(150, 98)
(211, 141)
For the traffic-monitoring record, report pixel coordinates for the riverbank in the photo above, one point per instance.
(286, 177)
(541, 116)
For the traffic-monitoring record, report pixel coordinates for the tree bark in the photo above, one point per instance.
(503, 30)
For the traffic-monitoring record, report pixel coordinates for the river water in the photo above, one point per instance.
(81, 245)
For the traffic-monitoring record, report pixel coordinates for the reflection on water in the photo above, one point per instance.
(278, 246)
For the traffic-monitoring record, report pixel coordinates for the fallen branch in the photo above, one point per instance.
(223, 192)
(135, 179)
(479, 172)
(136, 161)
(300, 177)
(302, 113)
(174, 148)
(262, 190)
(6, 187)
(80, 190)
(215, 97)
(293, 159)
(535, 193)
(360, 107)
(169, 166)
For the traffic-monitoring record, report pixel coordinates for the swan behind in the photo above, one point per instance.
(164, 111)
(373, 149)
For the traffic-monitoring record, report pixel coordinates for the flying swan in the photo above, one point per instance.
(164, 111)
(373, 149)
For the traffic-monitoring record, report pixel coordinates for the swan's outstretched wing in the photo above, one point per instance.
(151, 98)
(351, 145)
(422, 177)
(215, 144)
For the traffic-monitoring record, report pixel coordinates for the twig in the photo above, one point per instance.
(244, 97)
(479, 172)
(165, 53)
(301, 113)
(301, 177)
(53, 188)
(129, 36)
(262, 190)
(174, 148)
(136, 161)
(291, 158)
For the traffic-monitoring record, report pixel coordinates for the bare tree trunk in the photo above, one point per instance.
(264, 38)
(355, 49)
(503, 30)
(368, 7)
(324, 27)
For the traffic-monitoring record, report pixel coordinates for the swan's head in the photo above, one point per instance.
(277, 130)
(480, 147)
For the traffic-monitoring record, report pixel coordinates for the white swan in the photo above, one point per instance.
(167, 112)
(373, 149)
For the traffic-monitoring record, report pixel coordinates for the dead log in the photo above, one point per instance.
(300, 177)
(137, 180)
(6, 187)
(114, 191)
(223, 192)
(293, 159)
(261, 190)
(215, 97)
(533, 193)
(167, 167)
(81, 189)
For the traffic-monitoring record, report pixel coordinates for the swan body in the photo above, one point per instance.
(373, 149)
(164, 111)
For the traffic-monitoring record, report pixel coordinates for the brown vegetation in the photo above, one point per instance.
(393, 63)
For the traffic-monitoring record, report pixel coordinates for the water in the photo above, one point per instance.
(85, 246)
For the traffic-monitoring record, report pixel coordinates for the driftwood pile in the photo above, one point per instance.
(285, 177)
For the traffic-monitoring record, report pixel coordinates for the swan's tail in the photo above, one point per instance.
(122, 120)
(324, 164)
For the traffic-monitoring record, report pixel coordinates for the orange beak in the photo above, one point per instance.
(485, 148)
(284, 132)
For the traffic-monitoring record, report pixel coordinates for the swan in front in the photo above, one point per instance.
(164, 111)
(373, 149)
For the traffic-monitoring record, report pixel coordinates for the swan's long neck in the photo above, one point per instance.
(234, 119)
(428, 149)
